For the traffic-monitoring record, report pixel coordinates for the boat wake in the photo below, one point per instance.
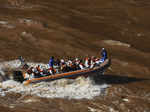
(64, 88)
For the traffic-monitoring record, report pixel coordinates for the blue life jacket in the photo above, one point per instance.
(51, 62)
(104, 54)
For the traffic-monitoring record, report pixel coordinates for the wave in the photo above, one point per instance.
(64, 88)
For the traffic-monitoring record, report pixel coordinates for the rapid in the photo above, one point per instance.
(63, 88)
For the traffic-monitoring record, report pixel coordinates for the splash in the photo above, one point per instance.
(64, 88)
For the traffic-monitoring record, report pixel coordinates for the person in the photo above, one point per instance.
(92, 63)
(77, 61)
(51, 65)
(97, 61)
(57, 62)
(51, 61)
(21, 60)
(39, 68)
(74, 66)
(81, 65)
(29, 74)
(69, 65)
(103, 55)
(50, 71)
(87, 62)
(63, 67)
(24, 65)
(57, 65)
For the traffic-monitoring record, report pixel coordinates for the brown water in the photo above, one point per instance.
(42, 28)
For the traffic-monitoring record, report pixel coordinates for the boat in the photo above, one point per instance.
(73, 74)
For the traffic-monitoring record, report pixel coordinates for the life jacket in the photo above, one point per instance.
(104, 54)
(51, 62)
(63, 66)
(102, 60)
(81, 65)
(51, 70)
(38, 69)
(77, 62)
(70, 63)
(86, 62)
(92, 61)
(26, 75)
(97, 60)
(29, 71)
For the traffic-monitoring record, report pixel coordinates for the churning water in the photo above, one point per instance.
(64, 88)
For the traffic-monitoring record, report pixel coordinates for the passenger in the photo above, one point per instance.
(63, 67)
(44, 71)
(25, 66)
(57, 62)
(67, 63)
(30, 70)
(62, 61)
(23, 63)
(103, 55)
(92, 62)
(97, 61)
(51, 62)
(50, 71)
(74, 66)
(32, 76)
(39, 69)
(77, 61)
(21, 60)
(81, 65)
(26, 76)
(87, 62)
(70, 65)
(29, 74)
(36, 72)
(51, 65)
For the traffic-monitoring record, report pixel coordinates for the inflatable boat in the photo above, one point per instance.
(73, 74)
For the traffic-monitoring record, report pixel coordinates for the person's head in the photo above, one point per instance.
(103, 48)
(62, 61)
(52, 57)
(76, 59)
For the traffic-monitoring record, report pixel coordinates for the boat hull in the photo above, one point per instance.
(74, 74)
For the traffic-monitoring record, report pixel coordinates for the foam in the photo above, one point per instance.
(64, 88)
(57, 89)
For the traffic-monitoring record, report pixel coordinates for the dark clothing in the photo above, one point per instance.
(57, 62)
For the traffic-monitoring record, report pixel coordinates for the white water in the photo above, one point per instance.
(65, 88)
